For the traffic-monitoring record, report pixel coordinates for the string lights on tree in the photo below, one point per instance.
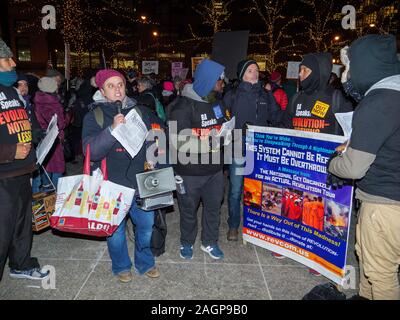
(279, 42)
(214, 13)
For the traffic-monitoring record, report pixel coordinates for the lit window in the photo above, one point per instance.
(23, 49)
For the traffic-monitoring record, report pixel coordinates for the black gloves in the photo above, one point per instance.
(334, 181)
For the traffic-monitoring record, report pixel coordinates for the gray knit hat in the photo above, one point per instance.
(5, 51)
(47, 84)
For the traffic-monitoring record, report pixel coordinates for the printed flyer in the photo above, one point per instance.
(288, 208)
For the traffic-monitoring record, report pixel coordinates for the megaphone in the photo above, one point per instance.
(155, 189)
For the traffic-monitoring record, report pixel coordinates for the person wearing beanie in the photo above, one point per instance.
(279, 93)
(168, 93)
(372, 159)
(47, 104)
(250, 104)
(17, 162)
(196, 113)
(110, 106)
(146, 94)
(313, 108)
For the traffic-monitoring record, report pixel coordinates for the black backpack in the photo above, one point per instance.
(326, 291)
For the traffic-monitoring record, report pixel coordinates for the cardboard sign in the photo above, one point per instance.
(43, 205)
(149, 67)
(195, 62)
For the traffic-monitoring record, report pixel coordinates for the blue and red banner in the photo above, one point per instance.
(288, 208)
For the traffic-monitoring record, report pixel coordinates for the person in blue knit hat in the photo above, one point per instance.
(198, 111)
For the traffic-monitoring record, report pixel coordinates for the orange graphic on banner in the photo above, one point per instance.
(252, 192)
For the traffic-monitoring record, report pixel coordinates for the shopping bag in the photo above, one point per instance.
(90, 204)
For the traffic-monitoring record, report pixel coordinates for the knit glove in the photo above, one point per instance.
(334, 181)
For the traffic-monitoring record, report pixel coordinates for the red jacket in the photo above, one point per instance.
(281, 98)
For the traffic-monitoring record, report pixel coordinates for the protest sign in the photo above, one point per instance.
(195, 62)
(47, 143)
(176, 68)
(149, 67)
(287, 206)
(293, 70)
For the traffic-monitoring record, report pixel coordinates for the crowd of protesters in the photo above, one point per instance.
(200, 105)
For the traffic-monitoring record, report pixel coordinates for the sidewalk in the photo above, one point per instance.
(248, 272)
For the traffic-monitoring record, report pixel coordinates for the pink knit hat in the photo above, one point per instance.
(168, 86)
(103, 75)
(275, 76)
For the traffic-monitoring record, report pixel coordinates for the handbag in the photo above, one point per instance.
(90, 204)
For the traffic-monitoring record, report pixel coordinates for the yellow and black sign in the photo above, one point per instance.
(320, 109)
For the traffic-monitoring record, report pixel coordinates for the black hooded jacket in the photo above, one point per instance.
(313, 108)
(373, 155)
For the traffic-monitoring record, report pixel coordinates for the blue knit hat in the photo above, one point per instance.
(206, 76)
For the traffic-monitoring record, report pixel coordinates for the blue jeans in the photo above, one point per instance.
(54, 179)
(235, 195)
(36, 181)
(118, 246)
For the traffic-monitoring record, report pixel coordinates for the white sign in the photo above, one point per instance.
(345, 120)
(337, 69)
(293, 70)
(176, 68)
(149, 67)
(45, 145)
(132, 133)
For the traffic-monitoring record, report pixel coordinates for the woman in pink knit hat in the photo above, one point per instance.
(113, 103)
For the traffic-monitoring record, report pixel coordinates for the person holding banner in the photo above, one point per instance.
(313, 109)
(198, 112)
(249, 104)
(122, 169)
(17, 162)
(372, 158)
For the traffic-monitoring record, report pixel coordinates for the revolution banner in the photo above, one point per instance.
(287, 206)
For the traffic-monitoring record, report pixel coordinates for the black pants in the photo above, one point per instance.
(210, 190)
(16, 223)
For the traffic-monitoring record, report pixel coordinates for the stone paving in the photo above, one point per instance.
(248, 272)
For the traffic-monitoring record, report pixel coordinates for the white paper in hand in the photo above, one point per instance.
(226, 131)
(345, 120)
(45, 145)
(131, 134)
